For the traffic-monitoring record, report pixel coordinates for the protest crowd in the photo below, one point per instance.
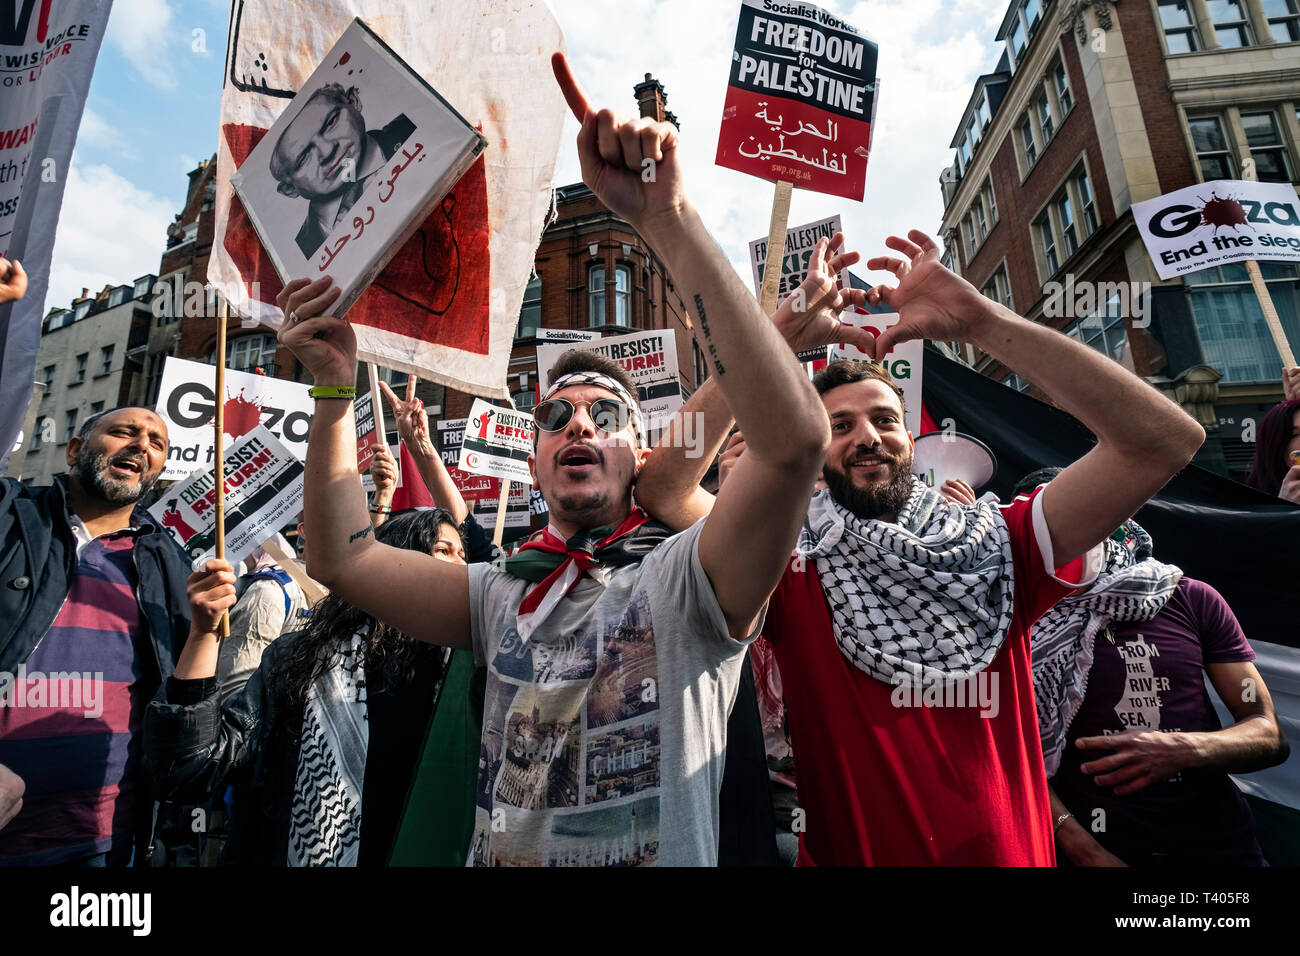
(823, 662)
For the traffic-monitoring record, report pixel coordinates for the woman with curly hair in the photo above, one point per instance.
(323, 740)
(1276, 469)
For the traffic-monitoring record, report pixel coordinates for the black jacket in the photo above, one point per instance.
(38, 559)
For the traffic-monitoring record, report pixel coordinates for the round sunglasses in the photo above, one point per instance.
(608, 414)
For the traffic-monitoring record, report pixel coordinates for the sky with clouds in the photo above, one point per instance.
(155, 98)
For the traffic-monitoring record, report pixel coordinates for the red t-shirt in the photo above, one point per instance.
(888, 785)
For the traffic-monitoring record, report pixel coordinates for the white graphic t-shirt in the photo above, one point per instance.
(603, 735)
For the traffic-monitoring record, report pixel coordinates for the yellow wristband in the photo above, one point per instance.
(348, 392)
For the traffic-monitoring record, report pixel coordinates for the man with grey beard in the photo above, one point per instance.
(93, 614)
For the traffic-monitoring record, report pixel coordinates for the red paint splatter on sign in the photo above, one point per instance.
(1222, 212)
(241, 416)
(344, 59)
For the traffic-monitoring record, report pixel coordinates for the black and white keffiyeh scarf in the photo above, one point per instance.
(927, 599)
(1132, 586)
(325, 824)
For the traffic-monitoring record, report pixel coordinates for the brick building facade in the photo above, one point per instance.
(1095, 106)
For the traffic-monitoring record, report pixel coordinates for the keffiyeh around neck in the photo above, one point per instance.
(929, 598)
(1132, 586)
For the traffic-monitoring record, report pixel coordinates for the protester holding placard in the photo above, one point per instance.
(413, 430)
(300, 736)
(1276, 468)
(94, 614)
(902, 626)
(606, 620)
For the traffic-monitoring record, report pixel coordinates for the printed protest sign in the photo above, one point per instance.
(799, 244)
(903, 362)
(649, 357)
(451, 433)
(1218, 222)
(263, 485)
(801, 99)
(565, 335)
(367, 435)
(497, 442)
(185, 403)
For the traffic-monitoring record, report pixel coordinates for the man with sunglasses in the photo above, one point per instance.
(612, 647)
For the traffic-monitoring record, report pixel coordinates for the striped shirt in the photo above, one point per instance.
(70, 718)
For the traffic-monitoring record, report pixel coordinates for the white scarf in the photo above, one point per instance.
(929, 598)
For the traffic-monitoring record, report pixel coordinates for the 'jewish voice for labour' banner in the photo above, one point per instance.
(799, 244)
(497, 442)
(447, 305)
(185, 403)
(800, 100)
(649, 357)
(1215, 223)
(263, 493)
(49, 56)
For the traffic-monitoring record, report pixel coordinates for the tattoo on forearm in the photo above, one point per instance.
(360, 534)
(708, 339)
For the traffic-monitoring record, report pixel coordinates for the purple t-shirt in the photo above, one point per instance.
(1147, 677)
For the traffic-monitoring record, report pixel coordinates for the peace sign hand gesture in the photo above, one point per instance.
(412, 420)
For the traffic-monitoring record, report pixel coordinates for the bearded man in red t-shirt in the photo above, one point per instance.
(901, 626)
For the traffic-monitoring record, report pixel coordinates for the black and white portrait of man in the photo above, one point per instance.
(328, 157)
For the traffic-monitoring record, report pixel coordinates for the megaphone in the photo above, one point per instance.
(943, 456)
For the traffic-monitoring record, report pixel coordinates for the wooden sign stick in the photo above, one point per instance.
(219, 424)
(775, 247)
(1270, 313)
(500, 528)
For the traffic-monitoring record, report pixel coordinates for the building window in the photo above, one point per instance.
(1027, 142)
(1017, 39)
(1211, 148)
(49, 379)
(249, 353)
(96, 407)
(1033, 14)
(394, 378)
(81, 311)
(106, 359)
(530, 313)
(1048, 238)
(623, 295)
(37, 428)
(963, 153)
(981, 223)
(69, 425)
(1104, 330)
(1061, 83)
(1265, 139)
(1283, 19)
(992, 203)
(596, 294)
(984, 118)
(116, 296)
(997, 288)
(1087, 208)
(1016, 382)
(79, 374)
(1044, 109)
(969, 226)
(1231, 26)
(524, 399)
(1233, 333)
(142, 287)
(1065, 216)
(1180, 28)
